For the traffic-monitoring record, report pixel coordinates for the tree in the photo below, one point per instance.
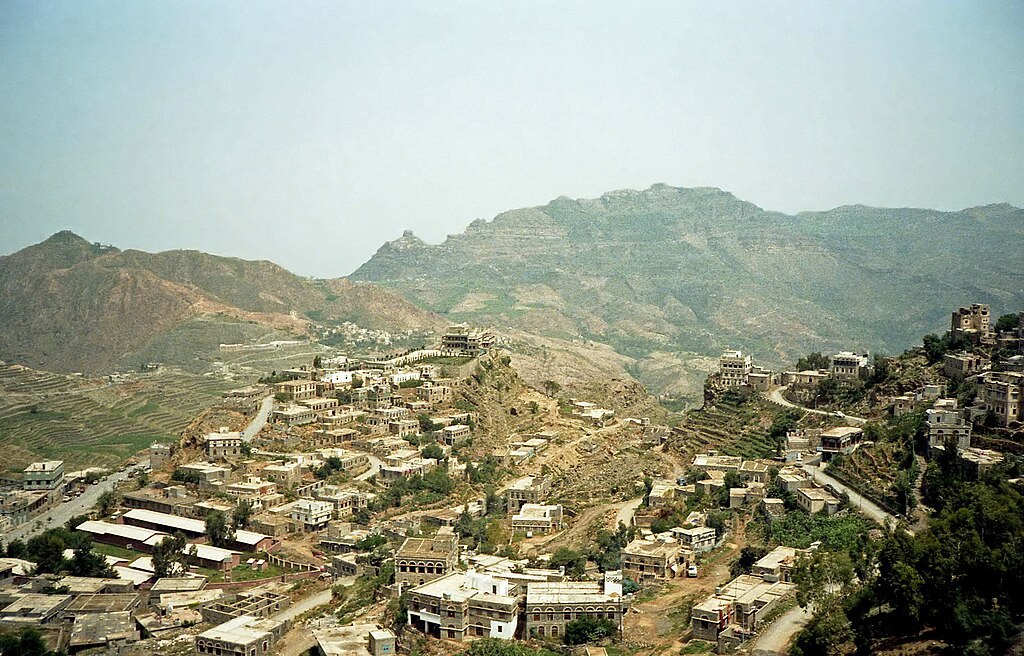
(1007, 323)
(748, 556)
(574, 562)
(169, 556)
(812, 361)
(242, 513)
(426, 423)
(551, 387)
(317, 362)
(27, 642)
(107, 502)
(87, 562)
(588, 629)
(433, 451)
(218, 531)
(16, 549)
(47, 552)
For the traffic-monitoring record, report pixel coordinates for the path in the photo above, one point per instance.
(299, 640)
(259, 421)
(625, 514)
(864, 505)
(375, 466)
(776, 638)
(775, 396)
(63, 512)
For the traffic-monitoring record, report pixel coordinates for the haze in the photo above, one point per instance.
(310, 133)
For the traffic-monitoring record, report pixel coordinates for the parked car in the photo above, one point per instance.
(691, 571)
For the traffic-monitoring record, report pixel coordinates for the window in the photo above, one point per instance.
(554, 631)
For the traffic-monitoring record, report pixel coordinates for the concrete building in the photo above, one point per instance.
(285, 474)
(1002, 393)
(44, 475)
(537, 519)
(296, 390)
(463, 605)
(973, 323)
(295, 415)
(224, 444)
(550, 606)
(697, 538)
(733, 368)
(842, 439)
(455, 434)
(847, 365)
(528, 489)
(644, 560)
(420, 560)
(741, 605)
(947, 427)
(462, 341)
(815, 499)
(312, 515)
(241, 636)
(355, 640)
(961, 365)
(159, 455)
(979, 461)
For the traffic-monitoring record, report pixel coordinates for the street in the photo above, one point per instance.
(260, 420)
(862, 504)
(60, 514)
(775, 396)
(776, 638)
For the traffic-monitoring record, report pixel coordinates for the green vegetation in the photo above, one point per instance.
(47, 551)
(218, 530)
(26, 642)
(588, 629)
(498, 647)
(798, 529)
(1007, 323)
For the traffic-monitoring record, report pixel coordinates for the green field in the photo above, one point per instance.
(89, 422)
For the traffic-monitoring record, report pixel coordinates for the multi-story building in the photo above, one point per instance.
(697, 539)
(285, 474)
(345, 500)
(946, 427)
(241, 636)
(849, 366)
(550, 606)
(45, 475)
(224, 444)
(528, 489)
(742, 603)
(842, 439)
(537, 519)
(455, 434)
(972, 322)
(733, 368)
(159, 455)
(961, 365)
(461, 340)
(296, 390)
(311, 515)
(815, 499)
(644, 560)
(1003, 394)
(433, 393)
(463, 605)
(295, 415)
(420, 560)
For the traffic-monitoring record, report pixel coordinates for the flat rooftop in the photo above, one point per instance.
(569, 592)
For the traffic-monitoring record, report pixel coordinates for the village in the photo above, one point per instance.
(355, 506)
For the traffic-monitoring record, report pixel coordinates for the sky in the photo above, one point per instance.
(309, 133)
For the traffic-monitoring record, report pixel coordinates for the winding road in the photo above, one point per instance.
(862, 504)
(775, 396)
(259, 421)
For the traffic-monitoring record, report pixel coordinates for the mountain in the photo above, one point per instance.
(676, 270)
(69, 305)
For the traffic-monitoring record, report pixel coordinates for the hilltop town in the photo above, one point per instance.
(429, 500)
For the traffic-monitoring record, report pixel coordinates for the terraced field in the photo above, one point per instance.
(92, 422)
(732, 426)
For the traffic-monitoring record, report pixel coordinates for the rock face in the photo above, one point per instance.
(670, 269)
(68, 305)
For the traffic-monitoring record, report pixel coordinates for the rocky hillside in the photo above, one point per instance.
(693, 270)
(68, 305)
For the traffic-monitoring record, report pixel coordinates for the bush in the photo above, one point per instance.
(588, 629)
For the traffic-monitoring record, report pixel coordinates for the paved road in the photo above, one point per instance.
(309, 603)
(60, 514)
(260, 420)
(865, 506)
(375, 465)
(775, 396)
(776, 638)
(625, 514)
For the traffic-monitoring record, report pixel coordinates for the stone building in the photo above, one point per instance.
(463, 605)
(1002, 393)
(528, 489)
(973, 323)
(420, 560)
(550, 606)
(733, 368)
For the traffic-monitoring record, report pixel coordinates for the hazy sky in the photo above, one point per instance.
(310, 133)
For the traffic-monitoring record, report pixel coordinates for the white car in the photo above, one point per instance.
(691, 571)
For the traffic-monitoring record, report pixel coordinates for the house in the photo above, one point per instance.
(842, 439)
(420, 560)
(743, 602)
(662, 493)
(538, 519)
(644, 559)
(792, 479)
(296, 390)
(455, 434)
(462, 341)
(752, 471)
(961, 365)
(224, 444)
(355, 640)
(295, 415)
(312, 515)
(815, 499)
(285, 474)
(972, 323)
(979, 461)
(947, 427)
(159, 455)
(806, 379)
(241, 636)
(733, 368)
(461, 605)
(697, 538)
(433, 393)
(528, 489)
(171, 500)
(847, 365)
(778, 564)
(206, 473)
(44, 475)
(404, 427)
(550, 606)
(1002, 393)
(902, 405)
(345, 501)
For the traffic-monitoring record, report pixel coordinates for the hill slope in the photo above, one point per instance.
(695, 270)
(68, 305)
